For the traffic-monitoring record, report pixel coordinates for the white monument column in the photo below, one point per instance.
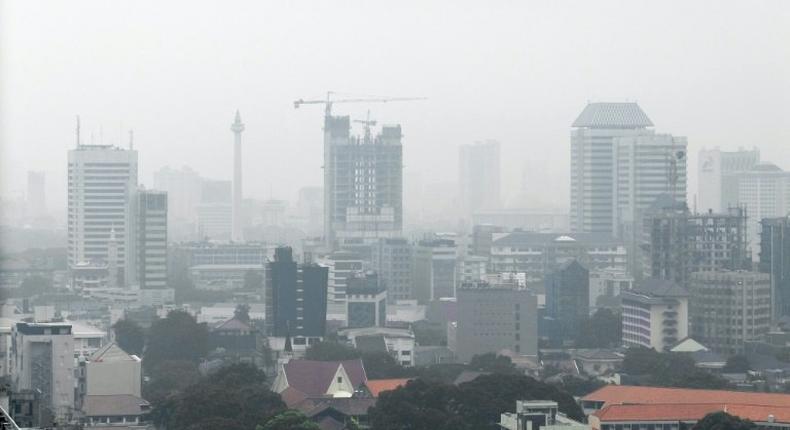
(237, 127)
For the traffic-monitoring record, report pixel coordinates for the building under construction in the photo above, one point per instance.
(677, 243)
(363, 183)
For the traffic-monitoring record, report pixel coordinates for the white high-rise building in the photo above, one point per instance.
(717, 188)
(592, 161)
(152, 239)
(765, 192)
(102, 188)
(479, 177)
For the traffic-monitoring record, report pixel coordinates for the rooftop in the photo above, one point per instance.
(612, 115)
(692, 412)
(377, 386)
(622, 394)
(114, 405)
(527, 238)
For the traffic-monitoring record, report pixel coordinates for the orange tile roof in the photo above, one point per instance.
(625, 394)
(377, 386)
(690, 412)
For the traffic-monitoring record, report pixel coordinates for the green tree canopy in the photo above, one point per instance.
(176, 337)
(493, 363)
(737, 364)
(129, 336)
(381, 365)
(668, 369)
(723, 421)
(289, 420)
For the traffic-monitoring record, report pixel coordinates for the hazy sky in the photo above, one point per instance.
(717, 72)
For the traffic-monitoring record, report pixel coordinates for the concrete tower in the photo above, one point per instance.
(237, 127)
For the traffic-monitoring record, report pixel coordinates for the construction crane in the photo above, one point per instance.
(329, 101)
(368, 123)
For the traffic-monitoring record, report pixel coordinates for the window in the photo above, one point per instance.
(339, 379)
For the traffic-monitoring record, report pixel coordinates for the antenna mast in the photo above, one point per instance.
(78, 131)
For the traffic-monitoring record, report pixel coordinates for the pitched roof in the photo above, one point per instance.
(691, 412)
(612, 115)
(233, 324)
(688, 344)
(371, 343)
(112, 352)
(377, 386)
(114, 405)
(314, 377)
(621, 394)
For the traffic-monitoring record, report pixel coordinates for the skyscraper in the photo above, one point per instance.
(102, 186)
(775, 260)
(765, 192)
(717, 187)
(152, 239)
(363, 183)
(237, 127)
(592, 161)
(479, 177)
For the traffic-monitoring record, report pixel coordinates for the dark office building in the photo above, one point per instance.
(367, 301)
(775, 260)
(568, 296)
(296, 297)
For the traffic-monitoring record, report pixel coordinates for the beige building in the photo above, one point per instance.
(112, 371)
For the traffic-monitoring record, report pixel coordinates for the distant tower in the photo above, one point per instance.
(237, 127)
(112, 260)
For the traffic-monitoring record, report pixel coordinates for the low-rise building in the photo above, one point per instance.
(655, 314)
(537, 415)
(299, 380)
(399, 342)
(605, 288)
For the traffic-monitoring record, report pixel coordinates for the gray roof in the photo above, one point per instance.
(612, 115)
(527, 238)
(115, 405)
(660, 288)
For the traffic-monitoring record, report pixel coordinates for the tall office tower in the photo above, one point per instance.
(392, 260)
(342, 265)
(677, 243)
(42, 363)
(495, 317)
(363, 183)
(646, 168)
(102, 192)
(479, 177)
(568, 296)
(152, 239)
(729, 308)
(436, 269)
(237, 127)
(717, 187)
(296, 299)
(36, 195)
(183, 187)
(215, 211)
(765, 192)
(592, 161)
(775, 260)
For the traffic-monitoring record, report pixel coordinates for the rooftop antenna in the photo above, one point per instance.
(131, 140)
(78, 131)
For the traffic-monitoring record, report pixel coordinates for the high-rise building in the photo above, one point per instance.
(646, 167)
(775, 260)
(717, 184)
(215, 211)
(237, 128)
(296, 299)
(392, 261)
(479, 177)
(592, 161)
(495, 317)
(655, 314)
(184, 188)
(42, 362)
(152, 239)
(367, 301)
(341, 265)
(764, 191)
(102, 187)
(363, 183)
(440, 258)
(568, 296)
(729, 308)
(677, 243)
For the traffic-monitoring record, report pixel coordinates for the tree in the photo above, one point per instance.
(723, 421)
(669, 369)
(253, 280)
(331, 351)
(176, 337)
(382, 365)
(289, 420)
(493, 363)
(236, 396)
(420, 405)
(737, 364)
(129, 336)
(242, 312)
(602, 330)
(168, 378)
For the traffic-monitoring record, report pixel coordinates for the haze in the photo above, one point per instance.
(518, 72)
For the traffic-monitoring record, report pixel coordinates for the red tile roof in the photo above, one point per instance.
(377, 386)
(690, 412)
(625, 394)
